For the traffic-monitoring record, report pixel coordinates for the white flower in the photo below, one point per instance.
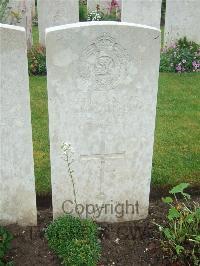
(65, 146)
(184, 61)
(117, 240)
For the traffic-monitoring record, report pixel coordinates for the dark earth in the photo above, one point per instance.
(124, 244)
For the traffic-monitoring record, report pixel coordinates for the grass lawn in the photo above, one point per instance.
(35, 34)
(177, 144)
(40, 133)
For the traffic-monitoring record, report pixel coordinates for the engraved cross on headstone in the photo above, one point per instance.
(103, 157)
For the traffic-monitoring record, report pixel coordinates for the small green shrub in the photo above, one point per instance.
(181, 234)
(74, 241)
(111, 17)
(3, 10)
(5, 243)
(83, 11)
(184, 56)
(35, 20)
(95, 16)
(37, 60)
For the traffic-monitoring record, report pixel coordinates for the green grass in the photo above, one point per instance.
(40, 133)
(177, 146)
(162, 35)
(35, 34)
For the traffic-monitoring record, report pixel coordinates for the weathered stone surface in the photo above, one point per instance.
(55, 13)
(146, 12)
(20, 14)
(102, 100)
(17, 189)
(104, 5)
(182, 19)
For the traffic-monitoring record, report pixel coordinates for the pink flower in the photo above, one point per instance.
(178, 68)
(196, 65)
(113, 5)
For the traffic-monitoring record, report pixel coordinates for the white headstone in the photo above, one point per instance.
(145, 12)
(55, 13)
(20, 14)
(103, 5)
(17, 189)
(182, 20)
(102, 100)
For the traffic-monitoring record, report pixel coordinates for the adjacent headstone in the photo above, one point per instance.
(17, 189)
(20, 14)
(103, 5)
(102, 100)
(182, 20)
(55, 13)
(145, 12)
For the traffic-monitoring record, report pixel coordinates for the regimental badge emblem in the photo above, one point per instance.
(103, 64)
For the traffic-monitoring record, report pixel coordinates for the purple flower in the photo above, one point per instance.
(194, 63)
(178, 68)
(196, 66)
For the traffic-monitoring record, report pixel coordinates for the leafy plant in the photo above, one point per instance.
(5, 242)
(82, 11)
(111, 17)
(114, 11)
(183, 56)
(95, 16)
(35, 20)
(74, 241)
(181, 234)
(37, 60)
(16, 17)
(3, 9)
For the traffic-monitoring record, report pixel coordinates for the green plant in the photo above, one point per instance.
(10, 263)
(181, 234)
(68, 158)
(114, 11)
(35, 20)
(110, 17)
(183, 56)
(95, 16)
(82, 11)
(37, 60)
(3, 9)
(15, 17)
(5, 242)
(74, 241)
(163, 10)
